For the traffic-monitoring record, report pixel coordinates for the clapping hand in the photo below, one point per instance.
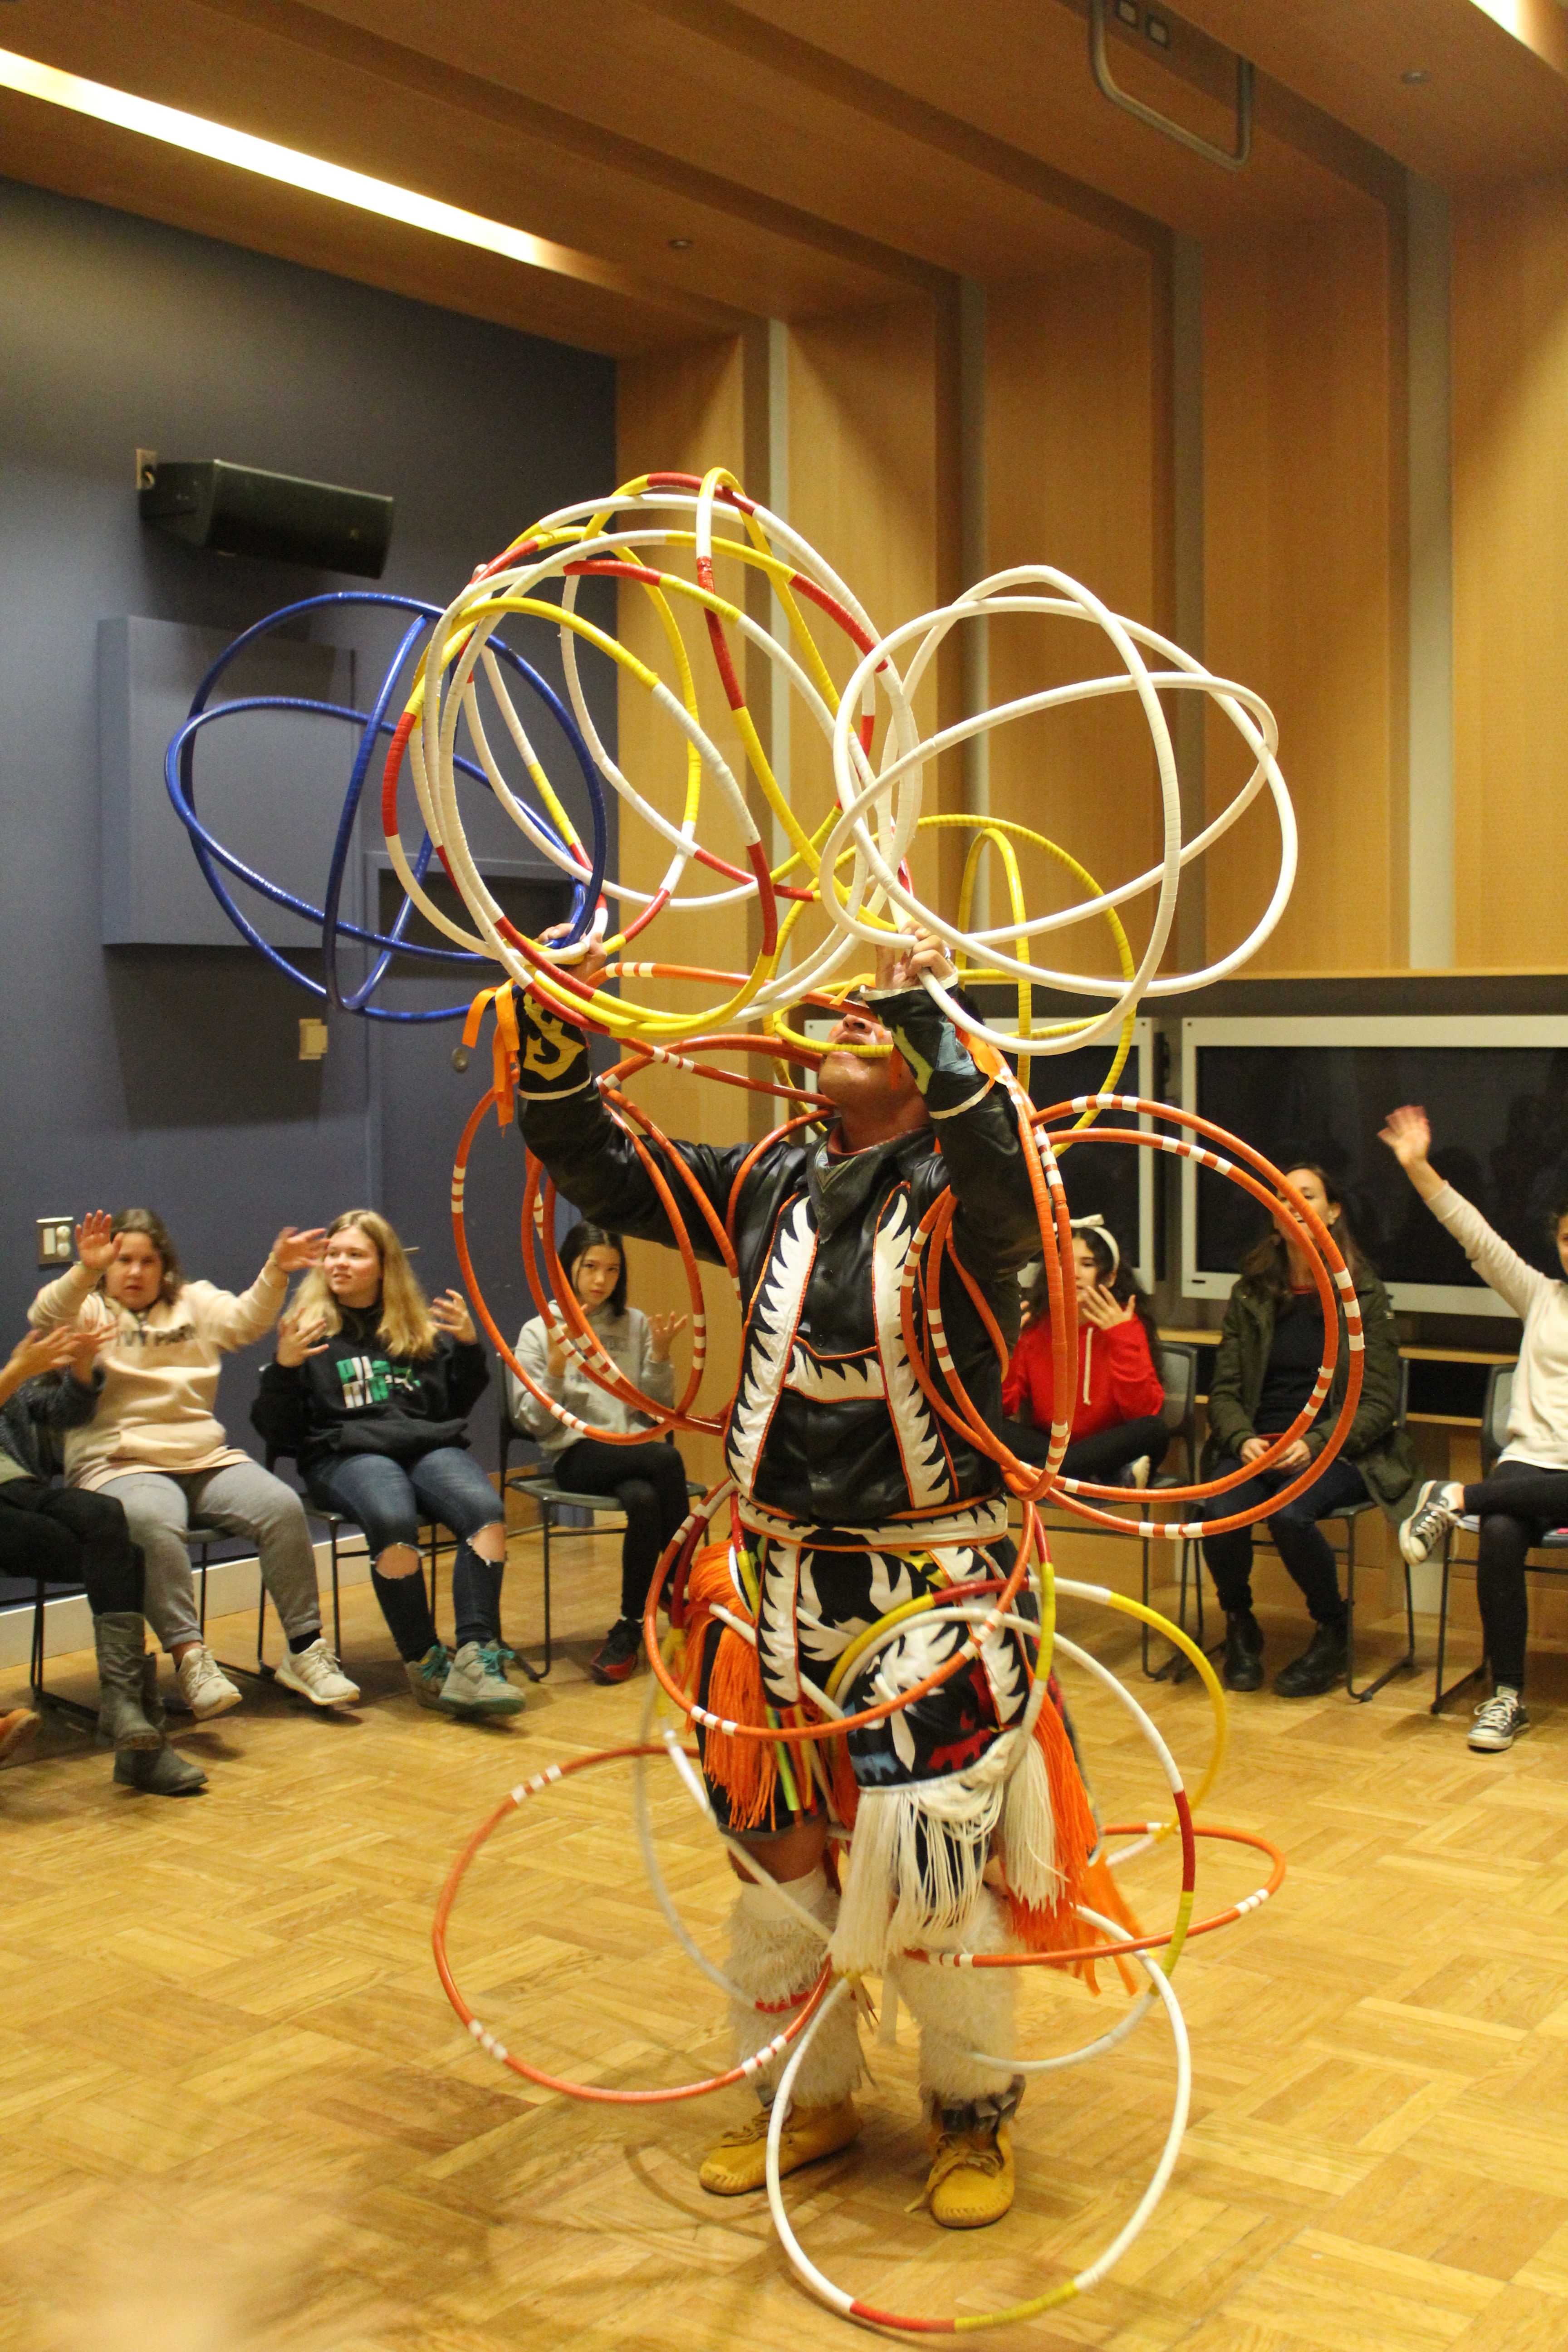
(300, 1335)
(449, 1313)
(662, 1330)
(45, 1352)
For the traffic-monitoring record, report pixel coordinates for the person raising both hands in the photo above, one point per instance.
(1527, 1492)
(370, 1390)
(155, 1444)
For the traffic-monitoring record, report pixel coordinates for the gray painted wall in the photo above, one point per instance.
(171, 1076)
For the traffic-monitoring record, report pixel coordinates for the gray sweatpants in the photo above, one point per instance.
(242, 1500)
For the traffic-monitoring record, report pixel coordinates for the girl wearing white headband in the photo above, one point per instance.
(1117, 1433)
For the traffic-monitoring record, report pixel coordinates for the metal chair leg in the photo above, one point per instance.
(86, 1715)
(1370, 1690)
(1443, 1697)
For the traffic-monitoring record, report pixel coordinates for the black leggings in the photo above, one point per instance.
(1096, 1458)
(1516, 1505)
(67, 1536)
(649, 1484)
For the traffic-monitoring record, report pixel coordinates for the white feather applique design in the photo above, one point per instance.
(770, 1336)
(776, 1625)
(855, 1379)
(920, 1442)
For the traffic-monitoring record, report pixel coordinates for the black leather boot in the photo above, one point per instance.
(1243, 1668)
(1324, 1661)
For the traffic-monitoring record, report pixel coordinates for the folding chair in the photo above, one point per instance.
(1494, 1437)
(538, 1483)
(1349, 1514)
(43, 1592)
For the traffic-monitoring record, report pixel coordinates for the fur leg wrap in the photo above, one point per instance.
(961, 2012)
(774, 1957)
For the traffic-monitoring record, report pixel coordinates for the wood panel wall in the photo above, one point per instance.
(1305, 548)
(1511, 570)
(682, 412)
(1076, 428)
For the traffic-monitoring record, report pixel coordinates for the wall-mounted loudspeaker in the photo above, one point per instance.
(239, 511)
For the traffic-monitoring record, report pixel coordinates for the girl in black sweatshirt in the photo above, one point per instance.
(370, 1390)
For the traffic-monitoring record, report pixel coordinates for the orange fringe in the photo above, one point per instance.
(1055, 1927)
(746, 1770)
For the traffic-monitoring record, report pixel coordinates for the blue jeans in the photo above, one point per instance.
(388, 1499)
(1302, 1548)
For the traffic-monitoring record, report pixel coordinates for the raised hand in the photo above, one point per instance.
(449, 1313)
(1101, 1308)
(586, 966)
(1407, 1133)
(903, 962)
(300, 1335)
(662, 1330)
(97, 1246)
(296, 1248)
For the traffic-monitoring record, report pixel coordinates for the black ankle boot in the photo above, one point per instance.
(1324, 1661)
(1243, 1667)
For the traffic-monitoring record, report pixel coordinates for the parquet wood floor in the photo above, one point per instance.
(237, 2111)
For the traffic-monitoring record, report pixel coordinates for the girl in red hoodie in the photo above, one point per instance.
(1116, 1425)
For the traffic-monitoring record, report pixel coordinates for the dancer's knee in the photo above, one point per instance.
(795, 1853)
(397, 1559)
(490, 1542)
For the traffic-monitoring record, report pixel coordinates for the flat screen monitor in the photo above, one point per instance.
(1494, 1089)
(1113, 1180)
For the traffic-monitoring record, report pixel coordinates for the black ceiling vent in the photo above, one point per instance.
(239, 511)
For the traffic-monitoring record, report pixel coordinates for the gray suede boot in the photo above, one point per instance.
(121, 1665)
(158, 1772)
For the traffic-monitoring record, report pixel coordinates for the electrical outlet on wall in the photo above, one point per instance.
(55, 1241)
(312, 1039)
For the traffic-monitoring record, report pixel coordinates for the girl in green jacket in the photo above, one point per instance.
(1268, 1358)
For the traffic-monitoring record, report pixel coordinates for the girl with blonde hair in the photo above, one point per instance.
(370, 1391)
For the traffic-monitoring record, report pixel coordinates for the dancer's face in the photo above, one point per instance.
(595, 1275)
(867, 1091)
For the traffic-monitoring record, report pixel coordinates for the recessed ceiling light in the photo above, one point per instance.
(1414, 74)
(200, 137)
(681, 244)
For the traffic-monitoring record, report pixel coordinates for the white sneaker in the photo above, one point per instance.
(315, 1675)
(207, 1689)
(1435, 1513)
(1498, 1721)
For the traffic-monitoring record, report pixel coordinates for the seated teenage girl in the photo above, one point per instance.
(649, 1482)
(51, 1384)
(1527, 1493)
(370, 1390)
(154, 1444)
(1116, 1424)
(1267, 1361)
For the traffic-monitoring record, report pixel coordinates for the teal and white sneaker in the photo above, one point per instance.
(428, 1675)
(474, 1686)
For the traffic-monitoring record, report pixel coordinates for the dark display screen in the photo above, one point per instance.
(1499, 1135)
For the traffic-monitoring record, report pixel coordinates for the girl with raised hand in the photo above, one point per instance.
(51, 1384)
(155, 1445)
(1527, 1492)
(1270, 1355)
(370, 1390)
(1117, 1433)
(648, 1481)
